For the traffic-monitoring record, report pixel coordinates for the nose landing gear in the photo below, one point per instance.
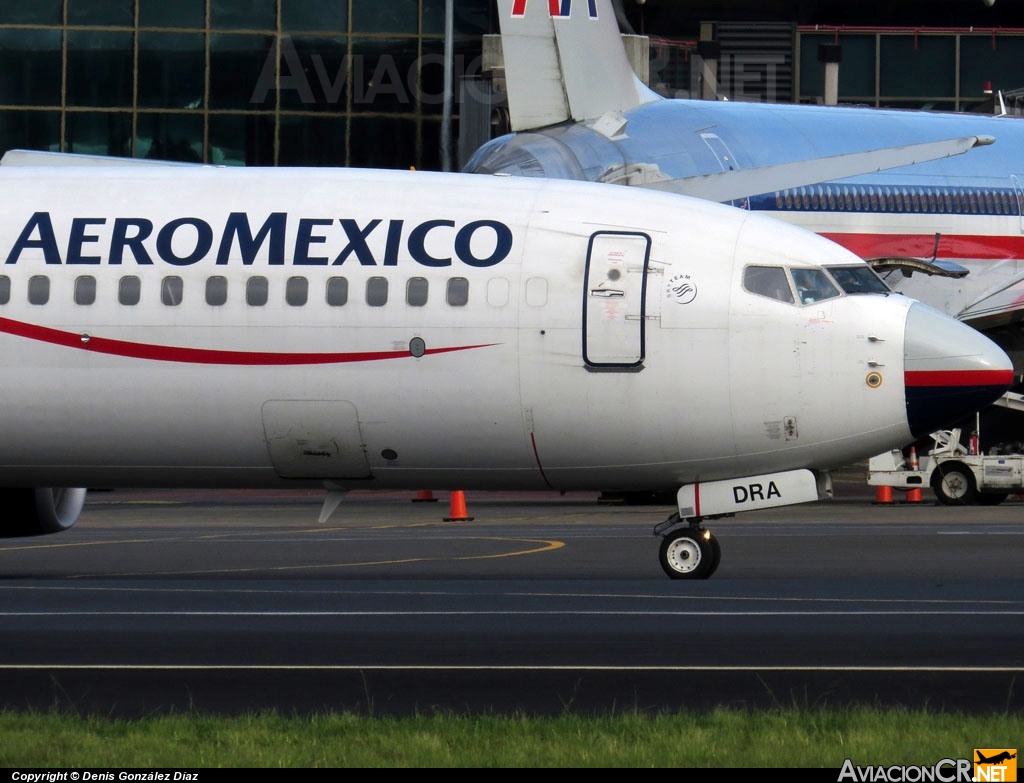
(690, 552)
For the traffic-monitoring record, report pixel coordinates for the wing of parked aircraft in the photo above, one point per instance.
(192, 326)
(739, 184)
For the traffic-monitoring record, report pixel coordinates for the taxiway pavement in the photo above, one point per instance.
(233, 602)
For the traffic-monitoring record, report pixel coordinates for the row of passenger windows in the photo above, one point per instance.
(257, 291)
(885, 198)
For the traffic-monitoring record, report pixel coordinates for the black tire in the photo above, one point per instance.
(690, 553)
(39, 511)
(954, 485)
(992, 498)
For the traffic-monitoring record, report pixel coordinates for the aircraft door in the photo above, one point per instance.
(614, 308)
(722, 152)
(725, 159)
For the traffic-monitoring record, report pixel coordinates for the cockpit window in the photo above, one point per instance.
(813, 285)
(858, 280)
(770, 281)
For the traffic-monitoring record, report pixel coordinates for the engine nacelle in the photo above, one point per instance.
(39, 511)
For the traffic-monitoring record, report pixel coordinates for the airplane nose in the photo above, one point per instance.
(950, 370)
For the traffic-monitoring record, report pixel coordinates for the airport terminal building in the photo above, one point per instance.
(361, 82)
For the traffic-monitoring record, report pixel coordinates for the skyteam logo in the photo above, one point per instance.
(558, 9)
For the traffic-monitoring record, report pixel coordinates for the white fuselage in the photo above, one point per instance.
(493, 333)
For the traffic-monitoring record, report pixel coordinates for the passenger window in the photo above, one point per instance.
(129, 290)
(337, 291)
(5, 289)
(377, 291)
(256, 291)
(416, 291)
(458, 292)
(85, 290)
(171, 289)
(813, 285)
(216, 290)
(296, 291)
(38, 290)
(536, 292)
(768, 281)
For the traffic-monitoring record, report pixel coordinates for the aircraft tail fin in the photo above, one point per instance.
(564, 60)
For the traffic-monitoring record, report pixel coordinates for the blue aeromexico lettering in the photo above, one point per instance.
(244, 239)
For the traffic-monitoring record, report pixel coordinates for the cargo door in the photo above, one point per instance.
(315, 439)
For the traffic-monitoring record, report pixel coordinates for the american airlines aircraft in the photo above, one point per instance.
(181, 326)
(948, 231)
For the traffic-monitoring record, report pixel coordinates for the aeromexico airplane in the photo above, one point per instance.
(948, 231)
(192, 326)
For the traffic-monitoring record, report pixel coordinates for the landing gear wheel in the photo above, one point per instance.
(954, 485)
(690, 553)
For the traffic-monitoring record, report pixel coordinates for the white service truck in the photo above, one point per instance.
(958, 474)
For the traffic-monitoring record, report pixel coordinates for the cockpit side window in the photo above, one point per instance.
(768, 281)
(813, 285)
(858, 280)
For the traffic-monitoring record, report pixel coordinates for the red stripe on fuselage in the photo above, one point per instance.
(934, 378)
(170, 353)
(951, 246)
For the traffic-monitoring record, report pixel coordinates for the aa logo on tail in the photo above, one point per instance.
(995, 764)
(558, 9)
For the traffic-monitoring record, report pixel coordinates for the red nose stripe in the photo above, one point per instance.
(923, 378)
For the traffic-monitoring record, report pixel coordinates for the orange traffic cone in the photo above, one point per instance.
(914, 495)
(458, 508)
(883, 496)
(424, 496)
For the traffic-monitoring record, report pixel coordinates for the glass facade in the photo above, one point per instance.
(919, 69)
(359, 82)
(234, 82)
